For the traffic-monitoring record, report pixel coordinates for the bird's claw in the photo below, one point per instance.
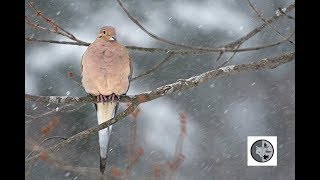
(103, 98)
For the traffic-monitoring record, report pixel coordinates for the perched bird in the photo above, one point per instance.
(106, 70)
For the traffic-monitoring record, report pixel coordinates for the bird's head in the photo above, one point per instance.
(108, 33)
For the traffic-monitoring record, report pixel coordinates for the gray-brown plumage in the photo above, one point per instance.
(106, 71)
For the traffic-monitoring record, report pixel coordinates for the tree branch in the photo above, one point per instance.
(170, 56)
(180, 85)
(55, 26)
(264, 20)
(233, 44)
(259, 29)
(229, 60)
(57, 42)
(236, 44)
(47, 139)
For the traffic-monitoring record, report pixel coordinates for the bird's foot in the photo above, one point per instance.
(113, 96)
(103, 98)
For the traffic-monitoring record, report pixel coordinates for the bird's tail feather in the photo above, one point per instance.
(105, 112)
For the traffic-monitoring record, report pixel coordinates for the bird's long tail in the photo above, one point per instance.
(105, 112)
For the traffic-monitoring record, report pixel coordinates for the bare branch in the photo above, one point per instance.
(44, 114)
(58, 109)
(57, 42)
(259, 29)
(37, 26)
(165, 50)
(55, 26)
(170, 56)
(284, 40)
(264, 20)
(233, 44)
(45, 140)
(70, 75)
(92, 173)
(236, 44)
(180, 85)
(285, 13)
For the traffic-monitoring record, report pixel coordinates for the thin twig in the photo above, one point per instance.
(93, 173)
(76, 82)
(264, 20)
(55, 26)
(45, 140)
(285, 13)
(236, 44)
(58, 109)
(57, 42)
(260, 28)
(166, 59)
(37, 26)
(177, 52)
(282, 41)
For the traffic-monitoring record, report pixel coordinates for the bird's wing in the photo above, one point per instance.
(81, 65)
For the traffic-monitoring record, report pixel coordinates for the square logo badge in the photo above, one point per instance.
(262, 150)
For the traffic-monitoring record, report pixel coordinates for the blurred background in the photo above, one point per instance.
(221, 113)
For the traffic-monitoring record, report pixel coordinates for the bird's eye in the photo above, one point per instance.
(104, 32)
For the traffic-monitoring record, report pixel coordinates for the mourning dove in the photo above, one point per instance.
(106, 71)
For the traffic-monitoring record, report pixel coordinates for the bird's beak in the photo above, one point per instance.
(112, 38)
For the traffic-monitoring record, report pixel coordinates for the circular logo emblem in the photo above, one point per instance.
(262, 150)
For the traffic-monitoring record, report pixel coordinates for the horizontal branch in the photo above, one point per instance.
(57, 42)
(180, 85)
(172, 51)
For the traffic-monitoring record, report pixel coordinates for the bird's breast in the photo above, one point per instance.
(106, 70)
